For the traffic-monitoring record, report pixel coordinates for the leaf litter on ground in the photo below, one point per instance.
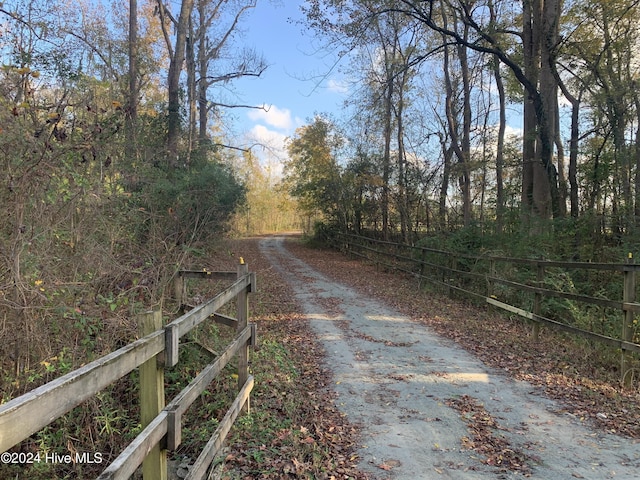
(567, 369)
(295, 430)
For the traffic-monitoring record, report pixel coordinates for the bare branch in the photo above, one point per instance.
(95, 50)
(227, 105)
(241, 149)
(162, 10)
(231, 147)
(216, 51)
(233, 75)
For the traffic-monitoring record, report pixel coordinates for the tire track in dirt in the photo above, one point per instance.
(406, 387)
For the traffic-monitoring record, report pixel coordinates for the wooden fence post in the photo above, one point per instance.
(443, 273)
(243, 317)
(628, 296)
(178, 289)
(453, 265)
(423, 261)
(537, 302)
(154, 466)
(490, 276)
(370, 253)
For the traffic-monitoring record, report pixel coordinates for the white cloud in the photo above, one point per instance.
(268, 135)
(337, 86)
(269, 139)
(274, 116)
(513, 133)
(269, 147)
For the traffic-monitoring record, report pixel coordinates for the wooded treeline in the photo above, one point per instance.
(115, 165)
(499, 116)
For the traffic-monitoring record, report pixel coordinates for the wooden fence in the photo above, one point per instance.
(450, 270)
(157, 349)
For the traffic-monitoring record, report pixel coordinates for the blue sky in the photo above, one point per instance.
(298, 83)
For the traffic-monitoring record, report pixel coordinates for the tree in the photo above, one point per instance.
(461, 147)
(211, 46)
(199, 44)
(312, 173)
(268, 207)
(395, 47)
(176, 58)
(132, 104)
(539, 38)
(614, 70)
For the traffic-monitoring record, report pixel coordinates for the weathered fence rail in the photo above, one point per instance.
(158, 348)
(442, 268)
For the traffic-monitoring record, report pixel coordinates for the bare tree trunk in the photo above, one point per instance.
(573, 147)
(531, 54)
(402, 174)
(617, 111)
(536, 192)
(386, 160)
(132, 108)
(173, 82)
(573, 159)
(465, 180)
(573, 150)
(502, 126)
(203, 65)
(549, 27)
(403, 191)
(444, 186)
(190, 61)
(563, 190)
(636, 209)
(461, 147)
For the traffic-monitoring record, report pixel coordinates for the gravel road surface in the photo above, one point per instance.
(399, 381)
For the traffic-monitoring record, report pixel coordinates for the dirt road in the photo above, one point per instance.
(409, 388)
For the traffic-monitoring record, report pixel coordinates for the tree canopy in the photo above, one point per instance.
(514, 117)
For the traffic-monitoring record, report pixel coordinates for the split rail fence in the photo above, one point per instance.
(156, 350)
(477, 276)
